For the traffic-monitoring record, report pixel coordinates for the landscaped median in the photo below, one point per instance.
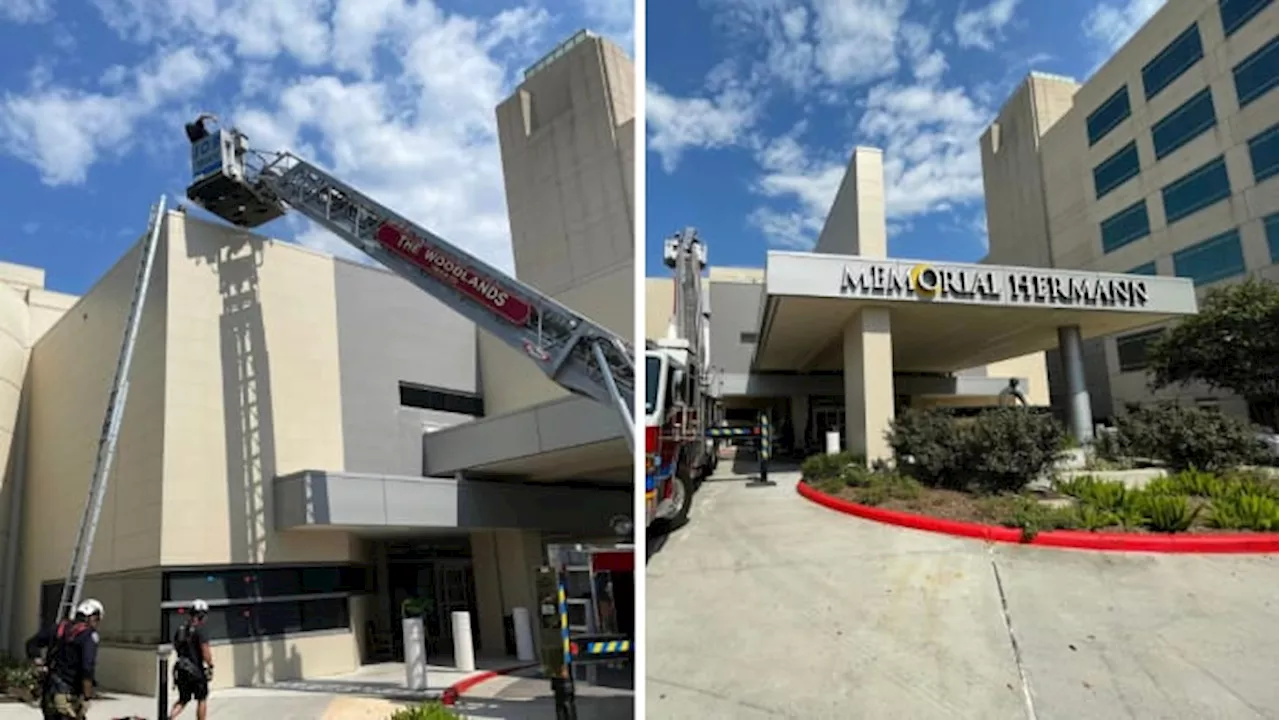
(976, 478)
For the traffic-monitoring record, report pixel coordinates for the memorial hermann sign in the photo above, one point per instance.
(997, 286)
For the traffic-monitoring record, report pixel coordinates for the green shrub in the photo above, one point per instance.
(1109, 446)
(929, 445)
(1197, 483)
(1007, 447)
(1104, 495)
(1000, 449)
(426, 711)
(1034, 517)
(18, 678)
(1187, 437)
(1245, 512)
(1168, 513)
(878, 488)
(1095, 518)
(817, 467)
(1252, 484)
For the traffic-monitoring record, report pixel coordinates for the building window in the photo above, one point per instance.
(1196, 190)
(1269, 225)
(1219, 257)
(1256, 74)
(1264, 153)
(450, 401)
(1116, 170)
(257, 601)
(1144, 269)
(748, 338)
(1131, 350)
(1235, 13)
(1125, 226)
(1175, 59)
(1184, 124)
(1113, 111)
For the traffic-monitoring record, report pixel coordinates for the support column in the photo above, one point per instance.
(1079, 408)
(799, 419)
(868, 383)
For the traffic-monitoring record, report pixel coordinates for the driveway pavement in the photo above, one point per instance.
(767, 606)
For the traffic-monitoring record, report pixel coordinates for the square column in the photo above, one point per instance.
(799, 419)
(868, 383)
(1079, 406)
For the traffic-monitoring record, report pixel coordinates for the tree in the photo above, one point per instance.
(1230, 345)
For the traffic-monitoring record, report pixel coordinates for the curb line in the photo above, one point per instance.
(454, 692)
(1203, 543)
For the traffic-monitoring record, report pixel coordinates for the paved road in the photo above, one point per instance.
(768, 606)
(528, 698)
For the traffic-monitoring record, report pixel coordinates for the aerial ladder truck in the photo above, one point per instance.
(249, 188)
(680, 406)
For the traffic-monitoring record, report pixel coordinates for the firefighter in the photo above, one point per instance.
(194, 667)
(69, 662)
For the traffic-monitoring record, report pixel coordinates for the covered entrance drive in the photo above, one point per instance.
(868, 318)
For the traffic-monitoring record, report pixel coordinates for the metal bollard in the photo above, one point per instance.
(566, 704)
(162, 681)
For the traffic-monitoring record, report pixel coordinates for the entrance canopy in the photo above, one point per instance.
(947, 316)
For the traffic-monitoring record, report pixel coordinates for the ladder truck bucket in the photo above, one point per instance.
(219, 183)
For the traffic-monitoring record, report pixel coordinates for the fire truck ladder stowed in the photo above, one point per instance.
(248, 188)
(83, 549)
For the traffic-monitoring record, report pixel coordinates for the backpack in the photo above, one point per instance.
(185, 667)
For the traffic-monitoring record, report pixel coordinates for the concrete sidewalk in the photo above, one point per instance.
(767, 606)
(373, 692)
(525, 696)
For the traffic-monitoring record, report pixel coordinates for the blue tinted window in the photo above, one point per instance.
(1196, 190)
(1185, 123)
(1214, 259)
(1125, 226)
(1269, 224)
(1264, 154)
(1109, 114)
(1256, 74)
(1116, 170)
(1144, 269)
(1235, 13)
(1175, 59)
(1131, 350)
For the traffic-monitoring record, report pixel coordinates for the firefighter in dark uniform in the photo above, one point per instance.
(68, 662)
(194, 667)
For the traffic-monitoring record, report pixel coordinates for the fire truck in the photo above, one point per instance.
(679, 402)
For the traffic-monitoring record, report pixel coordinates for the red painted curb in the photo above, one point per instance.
(1225, 543)
(454, 692)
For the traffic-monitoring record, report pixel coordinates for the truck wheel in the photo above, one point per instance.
(681, 500)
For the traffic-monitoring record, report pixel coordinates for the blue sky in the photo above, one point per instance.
(753, 107)
(396, 97)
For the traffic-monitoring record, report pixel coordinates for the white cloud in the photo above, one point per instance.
(676, 124)
(980, 27)
(1110, 25)
(63, 131)
(26, 11)
(856, 38)
(396, 98)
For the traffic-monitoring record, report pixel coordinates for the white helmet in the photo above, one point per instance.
(89, 608)
(200, 606)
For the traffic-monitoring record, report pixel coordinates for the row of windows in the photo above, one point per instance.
(1254, 76)
(1131, 350)
(268, 619)
(1144, 269)
(1198, 189)
(450, 401)
(1235, 13)
(1264, 154)
(1126, 226)
(256, 582)
(1258, 73)
(1269, 225)
(1177, 57)
(1185, 123)
(1116, 170)
(1217, 258)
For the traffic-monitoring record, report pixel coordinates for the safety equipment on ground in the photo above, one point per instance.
(89, 608)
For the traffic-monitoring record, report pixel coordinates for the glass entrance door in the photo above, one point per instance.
(455, 591)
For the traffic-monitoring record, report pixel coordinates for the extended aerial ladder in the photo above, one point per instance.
(116, 400)
(249, 188)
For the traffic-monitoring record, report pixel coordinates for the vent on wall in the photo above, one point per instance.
(450, 401)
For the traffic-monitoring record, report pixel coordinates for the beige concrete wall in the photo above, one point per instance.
(253, 392)
(855, 225)
(504, 563)
(70, 375)
(659, 294)
(14, 347)
(567, 136)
